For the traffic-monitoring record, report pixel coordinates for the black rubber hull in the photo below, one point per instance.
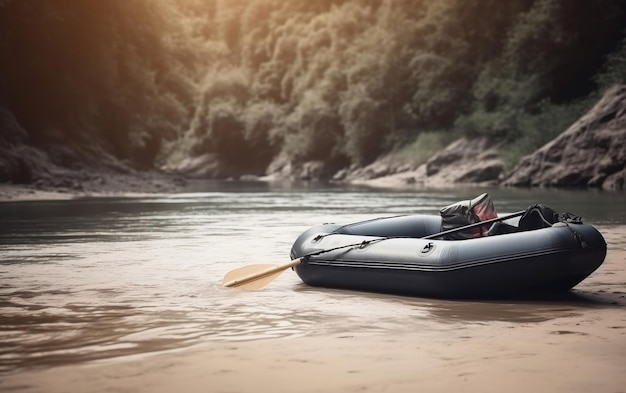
(546, 260)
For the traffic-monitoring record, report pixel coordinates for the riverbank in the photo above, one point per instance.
(578, 345)
(589, 154)
(99, 185)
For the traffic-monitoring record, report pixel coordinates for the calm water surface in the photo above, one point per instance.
(104, 278)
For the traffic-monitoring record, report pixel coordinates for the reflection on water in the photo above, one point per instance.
(100, 278)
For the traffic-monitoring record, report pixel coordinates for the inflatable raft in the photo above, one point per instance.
(395, 255)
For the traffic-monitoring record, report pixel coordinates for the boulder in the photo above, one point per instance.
(285, 168)
(465, 161)
(474, 161)
(590, 153)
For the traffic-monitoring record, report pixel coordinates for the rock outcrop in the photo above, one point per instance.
(591, 153)
(465, 161)
(473, 161)
(69, 169)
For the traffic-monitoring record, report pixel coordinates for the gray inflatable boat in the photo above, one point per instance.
(406, 255)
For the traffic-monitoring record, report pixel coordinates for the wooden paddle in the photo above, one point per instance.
(253, 277)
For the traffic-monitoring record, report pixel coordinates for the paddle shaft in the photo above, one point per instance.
(265, 273)
(478, 224)
(433, 236)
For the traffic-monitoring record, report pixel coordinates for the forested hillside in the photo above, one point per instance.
(156, 82)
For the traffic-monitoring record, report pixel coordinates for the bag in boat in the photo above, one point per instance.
(538, 216)
(465, 213)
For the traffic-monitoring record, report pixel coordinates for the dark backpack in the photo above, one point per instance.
(538, 216)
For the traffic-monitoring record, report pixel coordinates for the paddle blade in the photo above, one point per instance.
(258, 283)
(244, 271)
(253, 277)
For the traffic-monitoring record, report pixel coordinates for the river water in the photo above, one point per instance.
(107, 278)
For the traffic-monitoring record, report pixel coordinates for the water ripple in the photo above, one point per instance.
(101, 278)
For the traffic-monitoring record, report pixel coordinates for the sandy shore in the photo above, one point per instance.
(577, 354)
(580, 351)
(570, 355)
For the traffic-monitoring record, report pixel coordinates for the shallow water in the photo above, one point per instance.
(101, 278)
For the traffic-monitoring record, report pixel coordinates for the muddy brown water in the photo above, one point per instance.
(106, 278)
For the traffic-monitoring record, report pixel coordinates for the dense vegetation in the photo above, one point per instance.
(339, 81)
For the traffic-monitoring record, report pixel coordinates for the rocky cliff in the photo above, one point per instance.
(591, 153)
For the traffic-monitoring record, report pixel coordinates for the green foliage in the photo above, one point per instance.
(340, 81)
(425, 145)
(535, 130)
(107, 75)
(614, 71)
(311, 131)
(532, 90)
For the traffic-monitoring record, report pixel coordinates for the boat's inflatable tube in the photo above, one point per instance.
(549, 259)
